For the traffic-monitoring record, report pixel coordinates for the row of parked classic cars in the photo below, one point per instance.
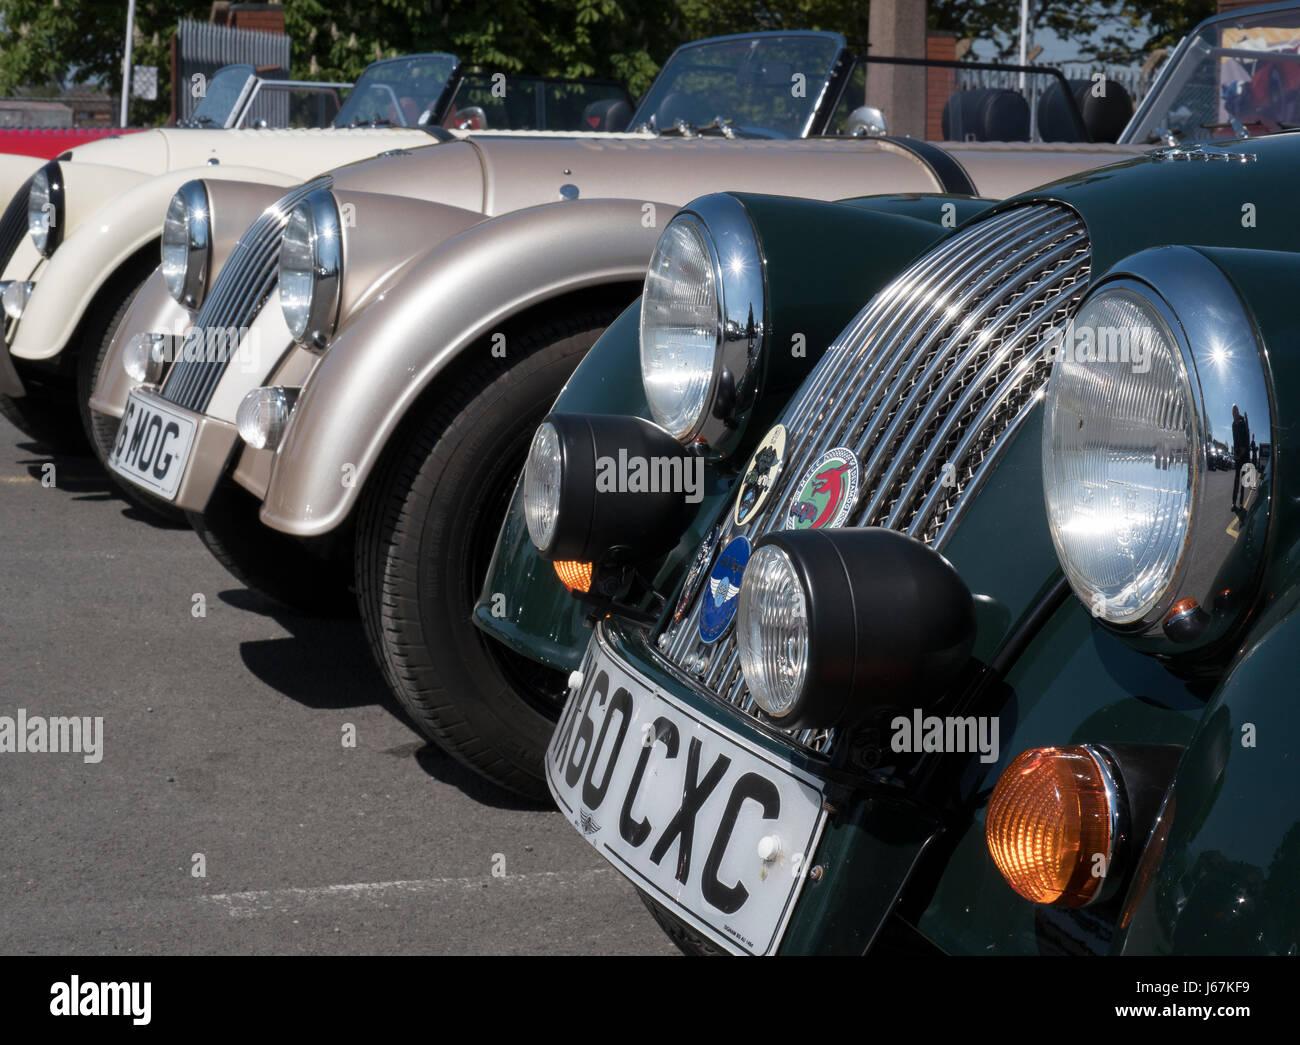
(871, 544)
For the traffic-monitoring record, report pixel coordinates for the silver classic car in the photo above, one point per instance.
(82, 234)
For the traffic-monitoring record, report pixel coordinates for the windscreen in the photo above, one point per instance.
(1245, 70)
(397, 92)
(764, 85)
(220, 96)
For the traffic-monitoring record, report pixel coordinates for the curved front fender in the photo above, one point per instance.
(1226, 854)
(459, 293)
(383, 236)
(96, 241)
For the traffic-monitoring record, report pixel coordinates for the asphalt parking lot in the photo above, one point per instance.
(223, 751)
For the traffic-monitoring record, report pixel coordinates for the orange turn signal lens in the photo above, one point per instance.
(576, 576)
(1048, 825)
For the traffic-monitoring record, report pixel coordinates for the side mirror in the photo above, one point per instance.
(866, 121)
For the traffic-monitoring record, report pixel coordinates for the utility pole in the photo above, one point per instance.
(126, 60)
(1024, 38)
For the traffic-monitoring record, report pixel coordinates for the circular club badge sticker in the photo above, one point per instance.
(719, 603)
(827, 492)
(761, 474)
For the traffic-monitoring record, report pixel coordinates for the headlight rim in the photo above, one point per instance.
(726, 228)
(555, 529)
(1203, 308)
(791, 717)
(326, 253)
(197, 205)
(56, 198)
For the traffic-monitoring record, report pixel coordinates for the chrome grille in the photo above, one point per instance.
(925, 384)
(236, 297)
(13, 223)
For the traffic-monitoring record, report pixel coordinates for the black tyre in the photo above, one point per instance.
(101, 429)
(290, 572)
(687, 939)
(425, 534)
(46, 415)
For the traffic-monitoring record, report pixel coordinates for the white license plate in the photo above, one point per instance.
(153, 445)
(682, 808)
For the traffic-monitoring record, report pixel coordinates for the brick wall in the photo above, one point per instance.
(939, 83)
(262, 18)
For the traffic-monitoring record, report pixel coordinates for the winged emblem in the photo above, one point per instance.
(587, 822)
(723, 590)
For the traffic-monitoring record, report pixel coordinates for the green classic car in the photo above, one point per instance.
(971, 634)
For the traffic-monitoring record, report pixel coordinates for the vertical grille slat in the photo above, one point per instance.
(938, 369)
(237, 296)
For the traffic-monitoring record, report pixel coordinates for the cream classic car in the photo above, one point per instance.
(372, 397)
(94, 215)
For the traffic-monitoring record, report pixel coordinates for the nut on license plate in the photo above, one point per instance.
(717, 829)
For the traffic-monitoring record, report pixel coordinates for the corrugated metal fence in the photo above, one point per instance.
(203, 48)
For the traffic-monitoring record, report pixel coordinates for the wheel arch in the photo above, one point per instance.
(495, 277)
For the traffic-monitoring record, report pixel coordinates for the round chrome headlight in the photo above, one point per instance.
(542, 475)
(772, 630)
(45, 209)
(187, 244)
(311, 253)
(1119, 441)
(1157, 440)
(703, 321)
(680, 317)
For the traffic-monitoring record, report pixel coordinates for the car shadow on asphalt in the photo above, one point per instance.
(325, 664)
(82, 476)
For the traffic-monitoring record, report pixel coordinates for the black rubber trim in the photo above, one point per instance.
(1015, 643)
(950, 174)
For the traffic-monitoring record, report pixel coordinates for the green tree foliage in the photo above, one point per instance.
(1108, 30)
(45, 44)
(48, 44)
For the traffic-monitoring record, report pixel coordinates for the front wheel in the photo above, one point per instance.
(425, 536)
(46, 415)
(273, 564)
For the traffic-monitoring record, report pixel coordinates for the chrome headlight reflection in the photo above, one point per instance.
(1156, 410)
(1119, 442)
(311, 262)
(187, 244)
(45, 210)
(703, 321)
(772, 630)
(542, 475)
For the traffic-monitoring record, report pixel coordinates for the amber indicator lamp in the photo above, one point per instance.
(1050, 825)
(576, 576)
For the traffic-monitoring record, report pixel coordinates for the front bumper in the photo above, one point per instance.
(209, 452)
(271, 359)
